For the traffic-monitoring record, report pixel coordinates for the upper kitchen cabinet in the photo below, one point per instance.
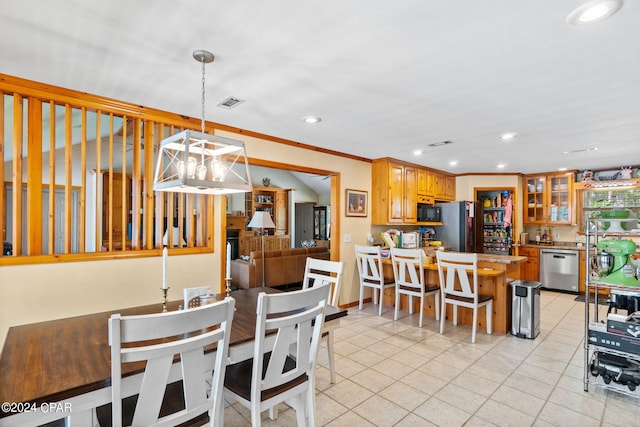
(548, 199)
(422, 182)
(450, 188)
(445, 187)
(398, 187)
(394, 192)
(426, 186)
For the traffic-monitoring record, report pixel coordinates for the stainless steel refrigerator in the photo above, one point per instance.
(459, 226)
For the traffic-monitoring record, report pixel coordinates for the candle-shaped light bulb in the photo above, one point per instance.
(201, 171)
(192, 163)
(180, 167)
(218, 170)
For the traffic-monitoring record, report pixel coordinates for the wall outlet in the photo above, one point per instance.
(557, 236)
(346, 238)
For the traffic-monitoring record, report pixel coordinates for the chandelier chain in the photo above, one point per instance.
(203, 81)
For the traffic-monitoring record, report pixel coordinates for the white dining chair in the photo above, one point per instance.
(371, 275)
(185, 333)
(285, 372)
(408, 272)
(461, 292)
(192, 295)
(319, 271)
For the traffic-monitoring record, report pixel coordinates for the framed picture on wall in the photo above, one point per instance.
(356, 203)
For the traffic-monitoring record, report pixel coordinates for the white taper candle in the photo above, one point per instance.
(165, 254)
(228, 261)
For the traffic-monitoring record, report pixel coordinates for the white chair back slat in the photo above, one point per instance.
(370, 270)
(459, 265)
(407, 264)
(464, 292)
(408, 273)
(369, 263)
(156, 374)
(185, 333)
(323, 271)
(298, 318)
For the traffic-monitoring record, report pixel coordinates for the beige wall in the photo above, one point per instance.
(353, 175)
(34, 293)
(466, 185)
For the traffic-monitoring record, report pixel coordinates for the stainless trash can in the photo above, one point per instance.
(525, 308)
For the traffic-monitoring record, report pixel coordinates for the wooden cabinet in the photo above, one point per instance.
(236, 222)
(250, 244)
(422, 182)
(275, 201)
(439, 186)
(450, 188)
(410, 207)
(431, 183)
(281, 212)
(394, 192)
(397, 186)
(444, 187)
(426, 182)
(531, 268)
(548, 199)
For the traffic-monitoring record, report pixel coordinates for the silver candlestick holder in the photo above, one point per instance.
(165, 291)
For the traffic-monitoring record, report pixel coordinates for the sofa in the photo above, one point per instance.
(283, 267)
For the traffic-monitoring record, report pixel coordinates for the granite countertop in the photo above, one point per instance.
(498, 259)
(502, 259)
(556, 245)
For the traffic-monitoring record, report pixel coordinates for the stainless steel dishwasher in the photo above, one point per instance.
(559, 269)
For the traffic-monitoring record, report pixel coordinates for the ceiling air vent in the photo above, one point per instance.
(437, 144)
(230, 103)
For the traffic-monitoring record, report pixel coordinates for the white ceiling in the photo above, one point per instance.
(386, 77)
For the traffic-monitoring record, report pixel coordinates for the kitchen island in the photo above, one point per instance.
(495, 273)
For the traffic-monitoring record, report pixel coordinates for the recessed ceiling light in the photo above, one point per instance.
(418, 152)
(501, 165)
(508, 136)
(311, 119)
(438, 144)
(453, 163)
(593, 11)
(562, 169)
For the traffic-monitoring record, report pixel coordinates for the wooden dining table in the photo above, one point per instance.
(62, 368)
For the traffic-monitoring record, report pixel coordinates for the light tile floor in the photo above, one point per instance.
(392, 373)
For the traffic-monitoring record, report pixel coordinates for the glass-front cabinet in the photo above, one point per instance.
(615, 209)
(321, 222)
(548, 199)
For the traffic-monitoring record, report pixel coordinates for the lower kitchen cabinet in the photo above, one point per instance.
(531, 268)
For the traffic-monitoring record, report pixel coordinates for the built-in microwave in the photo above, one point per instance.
(429, 213)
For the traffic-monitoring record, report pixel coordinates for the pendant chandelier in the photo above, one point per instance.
(199, 163)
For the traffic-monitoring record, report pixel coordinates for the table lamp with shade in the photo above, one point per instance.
(262, 220)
